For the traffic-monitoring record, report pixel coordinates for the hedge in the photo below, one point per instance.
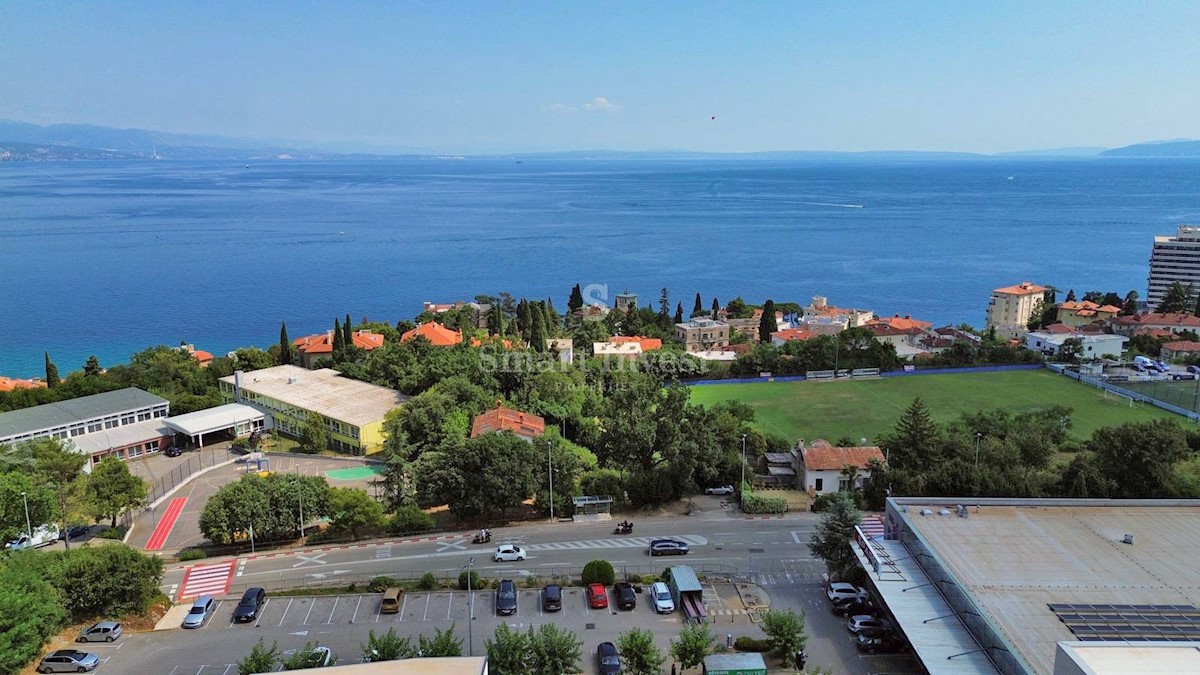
(191, 554)
(753, 502)
(749, 644)
(599, 572)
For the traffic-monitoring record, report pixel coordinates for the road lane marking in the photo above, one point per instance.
(449, 606)
(228, 667)
(457, 544)
(352, 619)
(165, 524)
(402, 606)
(207, 580)
(311, 604)
(285, 611)
(314, 559)
(335, 604)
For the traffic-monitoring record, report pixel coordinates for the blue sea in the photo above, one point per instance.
(107, 258)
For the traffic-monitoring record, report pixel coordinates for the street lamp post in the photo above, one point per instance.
(471, 607)
(978, 435)
(300, 499)
(742, 485)
(550, 473)
(28, 525)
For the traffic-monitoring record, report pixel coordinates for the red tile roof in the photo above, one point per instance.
(904, 323)
(492, 340)
(1088, 308)
(793, 334)
(1183, 346)
(10, 384)
(1177, 319)
(526, 425)
(647, 344)
(436, 333)
(1023, 288)
(322, 343)
(821, 456)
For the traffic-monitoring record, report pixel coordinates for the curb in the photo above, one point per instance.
(343, 547)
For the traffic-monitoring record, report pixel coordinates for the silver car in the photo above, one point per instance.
(68, 661)
(200, 611)
(105, 631)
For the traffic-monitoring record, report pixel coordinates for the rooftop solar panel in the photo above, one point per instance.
(1132, 623)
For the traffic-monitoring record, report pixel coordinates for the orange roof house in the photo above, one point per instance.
(647, 344)
(203, 357)
(1023, 288)
(791, 335)
(312, 347)
(10, 384)
(823, 466)
(526, 425)
(905, 323)
(436, 333)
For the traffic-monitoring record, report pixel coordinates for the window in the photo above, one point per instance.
(135, 451)
(94, 427)
(843, 485)
(820, 484)
(127, 419)
(143, 416)
(152, 446)
(110, 424)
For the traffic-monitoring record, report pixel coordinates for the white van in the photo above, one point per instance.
(42, 536)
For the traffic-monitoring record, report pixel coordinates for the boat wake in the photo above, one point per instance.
(841, 206)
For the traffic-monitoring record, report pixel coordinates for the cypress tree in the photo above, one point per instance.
(767, 324)
(537, 327)
(285, 345)
(524, 326)
(679, 313)
(576, 300)
(1196, 310)
(495, 320)
(698, 308)
(51, 373)
(550, 317)
(348, 337)
(92, 367)
(716, 308)
(1071, 295)
(338, 338)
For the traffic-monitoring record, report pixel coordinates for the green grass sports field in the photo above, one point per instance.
(831, 410)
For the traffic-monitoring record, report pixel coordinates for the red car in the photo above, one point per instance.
(597, 597)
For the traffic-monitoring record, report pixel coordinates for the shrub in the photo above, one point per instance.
(756, 503)
(749, 644)
(477, 581)
(634, 579)
(410, 519)
(381, 584)
(599, 572)
(428, 582)
(112, 533)
(191, 554)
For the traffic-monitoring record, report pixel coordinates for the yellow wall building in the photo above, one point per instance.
(353, 411)
(1012, 307)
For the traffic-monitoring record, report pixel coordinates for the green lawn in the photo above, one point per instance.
(861, 408)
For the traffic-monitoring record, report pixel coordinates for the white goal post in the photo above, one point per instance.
(1118, 398)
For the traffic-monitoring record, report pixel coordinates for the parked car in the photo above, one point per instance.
(663, 603)
(719, 490)
(840, 590)
(597, 597)
(624, 594)
(201, 609)
(853, 606)
(551, 598)
(105, 631)
(250, 605)
(68, 661)
(866, 623)
(1194, 369)
(880, 643)
(667, 547)
(506, 598)
(42, 536)
(606, 657)
(508, 552)
(173, 451)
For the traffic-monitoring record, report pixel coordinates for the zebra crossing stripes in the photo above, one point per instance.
(207, 580)
(624, 542)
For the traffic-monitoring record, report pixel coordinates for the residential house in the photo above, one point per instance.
(202, 357)
(311, 348)
(526, 425)
(495, 340)
(1175, 322)
(564, 347)
(855, 318)
(744, 327)
(905, 323)
(1011, 307)
(1180, 349)
(905, 340)
(701, 334)
(778, 469)
(824, 324)
(10, 384)
(782, 337)
(825, 466)
(1049, 341)
(626, 346)
(959, 334)
(437, 334)
(1075, 314)
(592, 312)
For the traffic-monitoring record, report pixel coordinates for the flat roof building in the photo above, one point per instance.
(353, 411)
(1173, 258)
(1002, 582)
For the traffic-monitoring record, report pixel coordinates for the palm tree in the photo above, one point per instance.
(850, 474)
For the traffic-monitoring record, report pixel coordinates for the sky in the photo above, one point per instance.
(495, 77)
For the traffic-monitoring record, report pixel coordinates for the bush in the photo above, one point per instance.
(749, 644)
(477, 581)
(428, 582)
(104, 580)
(408, 519)
(634, 579)
(112, 533)
(599, 572)
(381, 584)
(755, 503)
(191, 554)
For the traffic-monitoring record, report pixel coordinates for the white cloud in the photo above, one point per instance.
(597, 104)
(600, 103)
(559, 108)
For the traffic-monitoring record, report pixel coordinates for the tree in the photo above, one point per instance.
(1083, 478)
(509, 651)
(260, 659)
(576, 300)
(914, 438)
(39, 496)
(1071, 295)
(339, 338)
(443, 643)
(679, 313)
(698, 308)
(386, 647)
(1138, 457)
(313, 436)
(112, 489)
(537, 327)
(306, 658)
(695, 642)
(1071, 350)
(716, 308)
(1130, 306)
(285, 345)
(103, 580)
(639, 654)
(831, 540)
(348, 334)
(30, 612)
(61, 469)
(351, 510)
(767, 324)
(598, 572)
(554, 650)
(738, 309)
(1177, 299)
(269, 506)
(92, 367)
(480, 476)
(785, 631)
(52, 378)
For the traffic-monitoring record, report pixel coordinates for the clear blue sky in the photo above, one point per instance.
(509, 76)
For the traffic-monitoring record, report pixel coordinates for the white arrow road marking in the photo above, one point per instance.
(314, 559)
(523, 573)
(457, 544)
(796, 536)
(301, 633)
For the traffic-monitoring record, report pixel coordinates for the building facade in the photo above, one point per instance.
(700, 334)
(1173, 258)
(824, 467)
(1075, 314)
(1011, 307)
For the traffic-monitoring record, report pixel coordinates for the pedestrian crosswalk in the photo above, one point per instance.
(207, 580)
(623, 542)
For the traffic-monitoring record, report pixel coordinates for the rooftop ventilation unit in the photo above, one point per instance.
(1128, 539)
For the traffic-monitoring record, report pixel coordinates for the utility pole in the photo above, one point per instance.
(742, 486)
(300, 498)
(468, 566)
(550, 473)
(28, 525)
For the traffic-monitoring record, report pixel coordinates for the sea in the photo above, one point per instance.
(107, 258)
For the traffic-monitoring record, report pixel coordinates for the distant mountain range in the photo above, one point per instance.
(22, 141)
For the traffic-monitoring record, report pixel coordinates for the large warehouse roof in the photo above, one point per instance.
(50, 415)
(322, 391)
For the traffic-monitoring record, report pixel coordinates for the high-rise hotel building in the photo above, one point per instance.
(1174, 259)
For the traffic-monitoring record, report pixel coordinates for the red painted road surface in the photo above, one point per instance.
(207, 580)
(163, 530)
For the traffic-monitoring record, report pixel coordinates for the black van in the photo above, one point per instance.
(552, 598)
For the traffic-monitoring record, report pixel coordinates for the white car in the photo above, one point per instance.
(719, 490)
(663, 604)
(508, 553)
(840, 590)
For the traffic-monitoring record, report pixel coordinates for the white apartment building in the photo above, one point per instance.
(1173, 259)
(1011, 307)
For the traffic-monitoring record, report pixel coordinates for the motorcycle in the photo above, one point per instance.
(624, 528)
(480, 539)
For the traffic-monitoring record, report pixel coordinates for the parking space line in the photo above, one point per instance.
(378, 612)
(228, 667)
(309, 612)
(262, 613)
(425, 615)
(518, 604)
(208, 622)
(353, 618)
(335, 604)
(173, 670)
(285, 611)
(449, 606)
(402, 606)
(201, 669)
